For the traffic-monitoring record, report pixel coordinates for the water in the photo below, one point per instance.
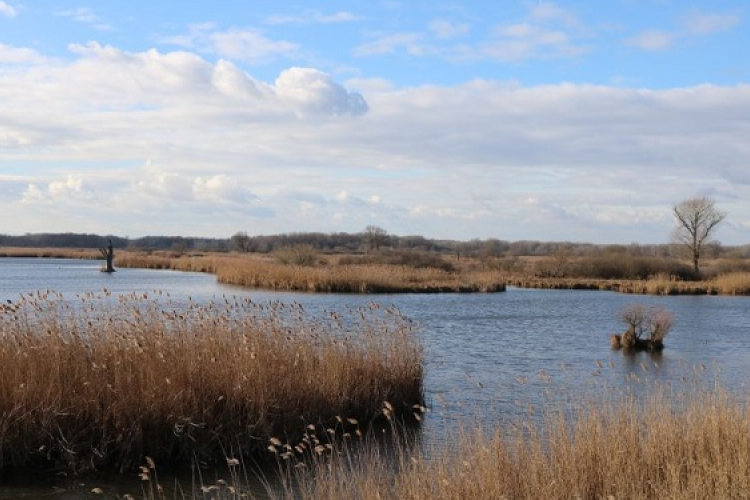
(494, 355)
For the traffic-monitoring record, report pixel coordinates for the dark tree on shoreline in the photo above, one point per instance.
(109, 255)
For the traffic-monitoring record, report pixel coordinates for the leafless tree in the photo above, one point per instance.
(375, 237)
(240, 242)
(696, 220)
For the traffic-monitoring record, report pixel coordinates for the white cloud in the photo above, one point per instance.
(692, 24)
(7, 10)
(85, 15)
(81, 15)
(228, 148)
(550, 12)
(390, 43)
(523, 41)
(220, 189)
(652, 40)
(314, 17)
(702, 23)
(18, 55)
(70, 190)
(313, 91)
(250, 45)
(445, 29)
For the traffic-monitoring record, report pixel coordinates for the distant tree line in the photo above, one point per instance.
(82, 240)
(371, 239)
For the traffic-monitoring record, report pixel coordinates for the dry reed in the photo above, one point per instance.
(684, 448)
(267, 273)
(102, 381)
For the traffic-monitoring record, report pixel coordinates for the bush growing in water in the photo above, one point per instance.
(641, 320)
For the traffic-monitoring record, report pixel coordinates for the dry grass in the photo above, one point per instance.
(267, 273)
(51, 253)
(735, 283)
(103, 381)
(662, 448)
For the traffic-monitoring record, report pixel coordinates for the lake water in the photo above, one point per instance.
(489, 354)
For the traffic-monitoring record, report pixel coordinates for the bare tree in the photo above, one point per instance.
(375, 237)
(696, 220)
(241, 242)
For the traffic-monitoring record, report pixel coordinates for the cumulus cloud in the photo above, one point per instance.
(70, 190)
(18, 55)
(7, 10)
(220, 189)
(313, 91)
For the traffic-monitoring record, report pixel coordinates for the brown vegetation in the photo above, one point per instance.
(642, 320)
(662, 448)
(50, 253)
(344, 276)
(102, 381)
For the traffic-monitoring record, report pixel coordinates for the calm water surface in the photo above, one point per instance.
(489, 354)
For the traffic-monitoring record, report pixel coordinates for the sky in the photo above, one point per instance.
(580, 120)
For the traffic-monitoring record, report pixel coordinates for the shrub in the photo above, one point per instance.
(408, 258)
(656, 321)
(297, 255)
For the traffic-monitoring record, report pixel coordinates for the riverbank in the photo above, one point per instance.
(101, 383)
(329, 276)
(733, 283)
(416, 274)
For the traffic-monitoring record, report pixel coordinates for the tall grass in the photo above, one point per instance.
(50, 253)
(664, 447)
(268, 273)
(103, 381)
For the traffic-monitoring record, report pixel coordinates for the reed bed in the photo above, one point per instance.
(266, 273)
(731, 284)
(684, 448)
(735, 283)
(50, 253)
(102, 381)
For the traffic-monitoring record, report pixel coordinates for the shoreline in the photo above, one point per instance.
(260, 271)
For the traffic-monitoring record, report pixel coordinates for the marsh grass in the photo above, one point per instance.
(269, 273)
(51, 253)
(103, 381)
(666, 446)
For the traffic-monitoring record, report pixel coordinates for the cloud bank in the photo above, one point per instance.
(172, 143)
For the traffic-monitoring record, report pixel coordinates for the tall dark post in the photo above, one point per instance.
(109, 254)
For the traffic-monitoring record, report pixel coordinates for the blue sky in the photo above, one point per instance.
(570, 120)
